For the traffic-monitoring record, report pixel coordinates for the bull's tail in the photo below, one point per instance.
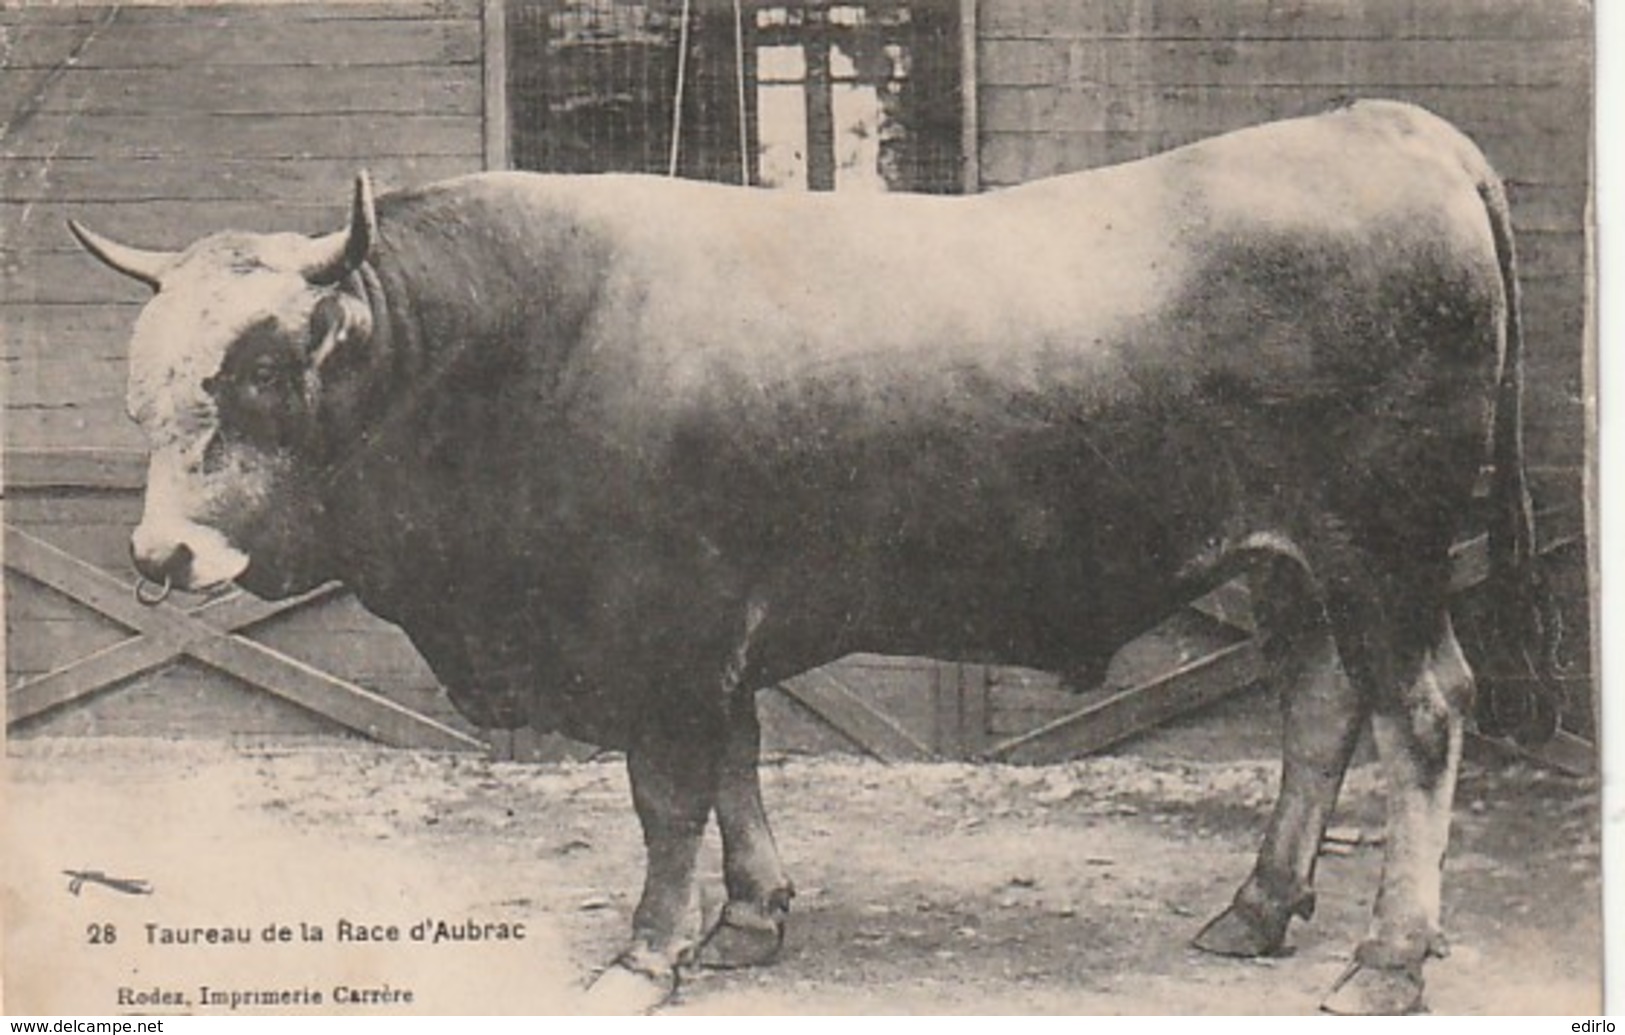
(1517, 695)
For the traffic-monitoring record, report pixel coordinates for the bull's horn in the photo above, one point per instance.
(143, 265)
(337, 255)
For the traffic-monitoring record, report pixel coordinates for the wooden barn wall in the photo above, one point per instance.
(156, 125)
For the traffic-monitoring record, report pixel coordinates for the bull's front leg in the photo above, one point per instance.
(674, 765)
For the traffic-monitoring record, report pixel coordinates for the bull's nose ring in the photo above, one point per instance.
(152, 600)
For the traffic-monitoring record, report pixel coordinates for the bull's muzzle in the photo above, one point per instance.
(188, 557)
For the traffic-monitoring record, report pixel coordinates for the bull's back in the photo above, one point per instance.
(1006, 424)
(1305, 258)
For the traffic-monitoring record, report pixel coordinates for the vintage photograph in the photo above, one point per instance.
(800, 507)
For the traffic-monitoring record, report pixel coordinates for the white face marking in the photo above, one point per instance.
(218, 290)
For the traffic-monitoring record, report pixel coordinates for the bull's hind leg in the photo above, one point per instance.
(750, 930)
(1418, 733)
(1322, 716)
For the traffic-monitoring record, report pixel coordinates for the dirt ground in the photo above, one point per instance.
(922, 888)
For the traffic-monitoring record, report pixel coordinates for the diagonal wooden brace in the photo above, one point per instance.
(208, 634)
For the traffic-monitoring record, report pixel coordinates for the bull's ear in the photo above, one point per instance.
(143, 265)
(339, 322)
(336, 256)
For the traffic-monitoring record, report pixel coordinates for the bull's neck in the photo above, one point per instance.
(393, 430)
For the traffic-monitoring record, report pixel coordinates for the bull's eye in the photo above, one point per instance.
(265, 377)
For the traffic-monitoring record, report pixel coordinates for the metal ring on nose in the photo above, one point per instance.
(141, 584)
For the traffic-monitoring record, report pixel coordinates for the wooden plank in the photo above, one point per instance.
(443, 89)
(1374, 20)
(286, 43)
(53, 512)
(790, 727)
(1541, 113)
(28, 603)
(1012, 157)
(970, 76)
(69, 429)
(102, 470)
(1551, 256)
(1024, 62)
(184, 700)
(63, 278)
(340, 700)
(1565, 752)
(155, 224)
(31, 15)
(1549, 169)
(1025, 699)
(382, 653)
(885, 661)
(1340, 64)
(77, 333)
(103, 547)
(975, 706)
(1546, 203)
(37, 643)
(89, 675)
(339, 617)
(84, 381)
(1554, 318)
(42, 640)
(959, 697)
(835, 703)
(56, 568)
(241, 611)
(1123, 714)
(494, 124)
(305, 180)
(947, 723)
(316, 134)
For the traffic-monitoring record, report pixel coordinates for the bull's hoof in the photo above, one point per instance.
(633, 984)
(1244, 930)
(747, 934)
(1366, 990)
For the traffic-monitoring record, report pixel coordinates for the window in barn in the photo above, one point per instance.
(835, 94)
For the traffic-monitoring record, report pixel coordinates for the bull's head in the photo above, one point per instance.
(226, 370)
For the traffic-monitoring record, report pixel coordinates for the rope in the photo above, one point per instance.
(739, 84)
(682, 81)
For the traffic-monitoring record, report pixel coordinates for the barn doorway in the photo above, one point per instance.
(806, 95)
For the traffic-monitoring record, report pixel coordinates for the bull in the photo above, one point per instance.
(617, 451)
